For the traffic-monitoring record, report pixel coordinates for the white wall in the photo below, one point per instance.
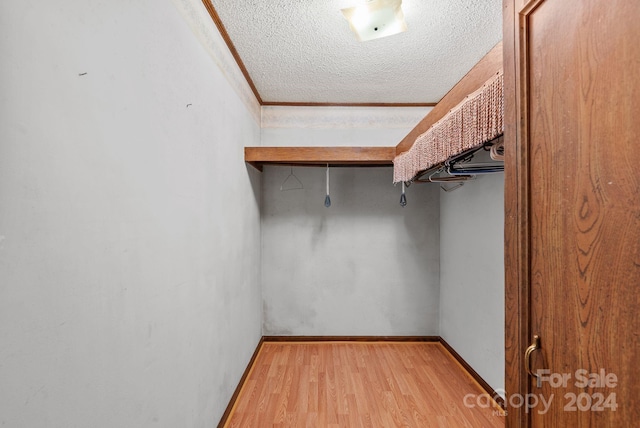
(129, 223)
(472, 274)
(338, 126)
(364, 266)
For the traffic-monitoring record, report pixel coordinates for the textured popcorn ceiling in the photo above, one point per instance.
(304, 51)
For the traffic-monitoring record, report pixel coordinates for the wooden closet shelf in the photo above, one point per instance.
(334, 156)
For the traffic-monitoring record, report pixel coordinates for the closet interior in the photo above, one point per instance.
(452, 278)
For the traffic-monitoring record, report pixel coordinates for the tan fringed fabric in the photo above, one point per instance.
(473, 122)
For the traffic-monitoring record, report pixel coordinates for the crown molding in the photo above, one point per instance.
(201, 23)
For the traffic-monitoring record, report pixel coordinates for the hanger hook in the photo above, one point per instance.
(403, 197)
(327, 199)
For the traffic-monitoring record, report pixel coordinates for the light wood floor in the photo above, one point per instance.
(358, 384)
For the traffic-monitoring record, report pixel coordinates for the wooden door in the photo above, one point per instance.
(572, 196)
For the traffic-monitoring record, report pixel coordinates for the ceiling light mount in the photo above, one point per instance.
(375, 19)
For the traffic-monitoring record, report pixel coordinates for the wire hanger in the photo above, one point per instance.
(459, 180)
(439, 174)
(479, 160)
(453, 187)
(497, 150)
(291, 183)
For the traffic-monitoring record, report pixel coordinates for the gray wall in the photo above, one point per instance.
(472, 274)
(364, 266)
(129, 225)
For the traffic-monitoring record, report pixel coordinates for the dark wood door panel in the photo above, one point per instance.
(577, 118)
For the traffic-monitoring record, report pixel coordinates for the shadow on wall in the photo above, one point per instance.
(255, 178)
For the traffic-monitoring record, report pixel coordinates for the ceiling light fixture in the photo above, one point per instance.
(375, 19)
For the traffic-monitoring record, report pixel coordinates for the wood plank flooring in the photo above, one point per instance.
(359, 384)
